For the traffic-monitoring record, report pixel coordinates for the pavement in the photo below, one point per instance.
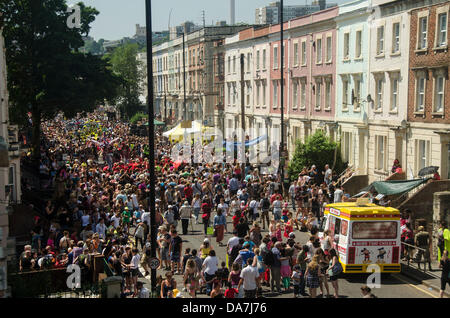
(408, 284)
(431, 279)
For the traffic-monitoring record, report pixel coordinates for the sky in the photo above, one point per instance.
(118, 18)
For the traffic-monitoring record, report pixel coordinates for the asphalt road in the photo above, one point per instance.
(392, 286)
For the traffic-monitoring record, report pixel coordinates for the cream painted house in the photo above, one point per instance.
(389, 32)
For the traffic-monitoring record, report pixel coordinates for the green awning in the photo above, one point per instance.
(156, 123)
(394, 187)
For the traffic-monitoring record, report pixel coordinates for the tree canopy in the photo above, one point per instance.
(47, 73)
(317, 150)
(127, 66)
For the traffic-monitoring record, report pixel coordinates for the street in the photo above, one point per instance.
(392, 286)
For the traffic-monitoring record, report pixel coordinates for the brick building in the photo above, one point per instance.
(429, 87)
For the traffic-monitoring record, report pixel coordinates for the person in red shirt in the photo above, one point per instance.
(188, 192)
(231, 292)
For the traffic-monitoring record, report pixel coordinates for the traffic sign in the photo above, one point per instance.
(154, 263)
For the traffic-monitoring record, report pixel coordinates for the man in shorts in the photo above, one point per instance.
(175, 247)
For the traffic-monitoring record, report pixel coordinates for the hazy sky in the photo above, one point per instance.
(117, 18)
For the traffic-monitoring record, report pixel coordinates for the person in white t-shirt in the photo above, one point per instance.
(115, 219)
(232, 242)
(210, 267)
(134, 268)
(250, 278)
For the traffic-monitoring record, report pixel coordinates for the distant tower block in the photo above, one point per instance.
(232, 12)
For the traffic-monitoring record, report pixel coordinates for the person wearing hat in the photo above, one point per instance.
(126, 217)
(185, 215)
(367, 292)
(421, 240)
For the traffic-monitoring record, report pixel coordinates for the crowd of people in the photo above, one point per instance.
(99, 173)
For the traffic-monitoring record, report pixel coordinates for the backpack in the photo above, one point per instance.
(266, 204)
(269, 258)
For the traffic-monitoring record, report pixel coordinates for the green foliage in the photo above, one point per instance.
(317, 150)
(138, 117)
(125, 65)
(93, 47)
(46, 71)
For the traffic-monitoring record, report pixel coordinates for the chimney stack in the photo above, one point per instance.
(232, 12)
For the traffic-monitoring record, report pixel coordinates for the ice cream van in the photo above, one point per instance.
(364, 234)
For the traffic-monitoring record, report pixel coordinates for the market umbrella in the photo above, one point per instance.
(428, 170)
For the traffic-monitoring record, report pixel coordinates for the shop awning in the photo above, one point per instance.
(394, 187)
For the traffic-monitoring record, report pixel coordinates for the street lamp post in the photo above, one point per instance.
(151, 137)
(282, 161)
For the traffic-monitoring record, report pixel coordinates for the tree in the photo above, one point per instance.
(317, 150)
(46, 72)
(125, 64)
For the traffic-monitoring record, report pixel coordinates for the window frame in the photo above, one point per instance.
(294, 94)
(346, 46)
(420, 32)
(304, 53)
(275, 57)
(319, 53)
(358, 44)
(396, 38)
(442, 11)
(329, 49)
(380, 41)
(275, 94)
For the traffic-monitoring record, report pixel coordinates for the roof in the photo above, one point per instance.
(351, 208)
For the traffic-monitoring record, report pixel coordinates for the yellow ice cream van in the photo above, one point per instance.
(364, 234)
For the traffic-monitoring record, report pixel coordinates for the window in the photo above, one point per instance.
(294, 94)
(420, 93)
(234, 64)
(422, 44)
(439, 85)
(229, 65)
(380, 153)
(257, 60)
(394, 93)
(442, 30)
(303, 52)
(319, 51)
(346, 46)
(379, 95)
(249, 59)
(422, 154)
(234, 93)
(395, 37)
(378, 230)
(303, 94)
(318, 94)
(248, 93)
(347, 139)
(295, 54)
(275, 57)
(328, 94)
(380, 40)
(357, 93)
(264, 59)
(344, 93)
(329, 49)
(258, 90)
(275, 94)
(358, 44)
(264, 84)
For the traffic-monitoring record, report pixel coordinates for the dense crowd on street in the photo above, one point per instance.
(99, 173)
